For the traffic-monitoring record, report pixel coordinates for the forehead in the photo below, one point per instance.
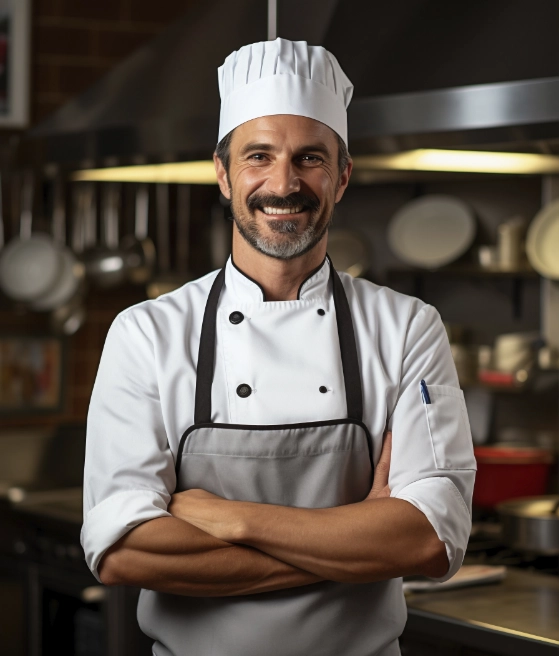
(286, 129)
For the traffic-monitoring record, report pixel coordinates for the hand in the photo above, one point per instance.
(208, 512)
(380, 487)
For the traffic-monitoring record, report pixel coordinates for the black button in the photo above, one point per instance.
(322, 389)
(236, 317)
(244, 390)
(321, 312)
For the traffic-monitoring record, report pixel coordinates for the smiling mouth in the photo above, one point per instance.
(275, 211)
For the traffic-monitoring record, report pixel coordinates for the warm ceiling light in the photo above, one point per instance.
(460, 161)
(202, 172)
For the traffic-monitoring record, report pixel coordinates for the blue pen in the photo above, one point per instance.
(425, 393)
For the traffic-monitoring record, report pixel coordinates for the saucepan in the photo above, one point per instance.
(531, 524)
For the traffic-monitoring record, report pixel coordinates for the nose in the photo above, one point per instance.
(283, 179)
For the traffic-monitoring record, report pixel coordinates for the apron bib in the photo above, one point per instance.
(308, 465)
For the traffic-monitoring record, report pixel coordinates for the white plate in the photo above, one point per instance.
(432, 231)
(29, 268)
(542, 244)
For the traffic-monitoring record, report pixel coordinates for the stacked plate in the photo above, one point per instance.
(432, 231)
(542, 245)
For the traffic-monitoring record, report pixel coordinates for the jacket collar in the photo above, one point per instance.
(248, 290)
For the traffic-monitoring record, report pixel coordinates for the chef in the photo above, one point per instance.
(236, 469)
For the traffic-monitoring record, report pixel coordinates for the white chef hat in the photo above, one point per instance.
(283, 77)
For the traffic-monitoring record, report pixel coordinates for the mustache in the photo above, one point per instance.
(296, 199)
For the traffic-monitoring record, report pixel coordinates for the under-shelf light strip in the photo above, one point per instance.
(459, 161)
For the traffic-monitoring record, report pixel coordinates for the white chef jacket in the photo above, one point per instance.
(143, 397)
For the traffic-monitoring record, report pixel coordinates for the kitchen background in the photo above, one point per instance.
(131, 82)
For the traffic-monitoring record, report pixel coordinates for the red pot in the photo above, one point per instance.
(510, 472)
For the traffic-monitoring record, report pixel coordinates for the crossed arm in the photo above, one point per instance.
(213, 547)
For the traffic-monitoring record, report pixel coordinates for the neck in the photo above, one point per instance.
(280, 279)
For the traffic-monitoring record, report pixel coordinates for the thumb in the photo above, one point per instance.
(382, 470)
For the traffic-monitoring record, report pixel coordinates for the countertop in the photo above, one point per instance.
(519, 615)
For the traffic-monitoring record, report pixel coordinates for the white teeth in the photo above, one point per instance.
(277, 210)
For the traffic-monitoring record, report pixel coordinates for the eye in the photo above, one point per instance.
(311, 160)
(257, 159)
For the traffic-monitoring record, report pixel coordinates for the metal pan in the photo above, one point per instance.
(531, 524)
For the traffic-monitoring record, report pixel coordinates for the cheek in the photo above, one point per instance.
(320, 183)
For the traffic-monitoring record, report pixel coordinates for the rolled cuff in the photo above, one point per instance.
(441, 502)
(107, 522)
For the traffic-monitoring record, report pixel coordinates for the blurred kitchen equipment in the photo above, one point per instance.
(349, 251)
(104, 263)
(29, 264)
(542, 244)
(531, 524)
(72, 270)
(139, 249)
(487, 257)
(68, 318)
(514, 351)
(432, 231)
(465, 360)
(508, 471)
(167, 281)
(183, 233)
(510, 244)
(480, 405)
(548, 358)
(484, 357)
(2, 232)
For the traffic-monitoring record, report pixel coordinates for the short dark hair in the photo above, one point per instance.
(223, 151)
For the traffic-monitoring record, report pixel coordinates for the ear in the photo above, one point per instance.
(222, 177)
(344, 181)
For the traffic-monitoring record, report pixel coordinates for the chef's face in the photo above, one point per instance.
(283, 183)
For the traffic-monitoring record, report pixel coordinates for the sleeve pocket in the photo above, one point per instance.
(449, 428)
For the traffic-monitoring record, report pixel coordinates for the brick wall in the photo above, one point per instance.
(75, 42)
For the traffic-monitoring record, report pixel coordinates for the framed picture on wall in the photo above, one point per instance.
(31, 370)
(15, 37)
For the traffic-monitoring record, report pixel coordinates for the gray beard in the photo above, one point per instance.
(292, 246)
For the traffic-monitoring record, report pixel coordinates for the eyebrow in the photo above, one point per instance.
(268, 148)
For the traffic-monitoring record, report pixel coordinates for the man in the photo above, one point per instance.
(235, 423)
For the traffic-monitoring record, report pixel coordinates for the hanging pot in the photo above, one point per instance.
(30, 264)
(72, 270)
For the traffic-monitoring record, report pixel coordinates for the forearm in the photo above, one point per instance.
(367, 541)
(170, 555)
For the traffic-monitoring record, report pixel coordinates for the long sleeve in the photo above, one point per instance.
(129, 471)
(433, 466)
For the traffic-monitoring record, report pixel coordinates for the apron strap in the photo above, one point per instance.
(348, 350)
(206, 355)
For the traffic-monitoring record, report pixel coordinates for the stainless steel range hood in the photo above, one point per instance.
(162, 103)
(511, 115)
